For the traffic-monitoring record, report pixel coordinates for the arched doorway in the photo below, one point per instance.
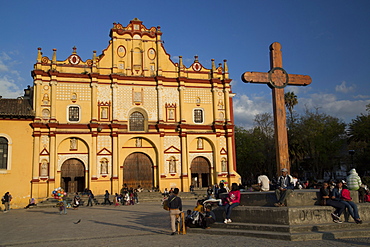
(200, 172)
(73, 176)
(138, 170)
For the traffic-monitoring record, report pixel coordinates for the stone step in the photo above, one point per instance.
(331, 233)
(142, 196)
(292, 229)
(299, 215)
(306, 197)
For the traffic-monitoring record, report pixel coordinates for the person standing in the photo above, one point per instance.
(175, 206)
(6, 201)
(106, 198)
(91, 198)
(285, 186)
(232, 201)
(354, 183)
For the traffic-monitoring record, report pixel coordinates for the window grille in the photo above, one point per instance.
(3, 153)
(137, 121)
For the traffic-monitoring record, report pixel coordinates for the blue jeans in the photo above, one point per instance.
(228, 209)
(352, 209)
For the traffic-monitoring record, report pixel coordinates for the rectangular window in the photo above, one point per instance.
(74, 114)
(198, 116)
(3, 153)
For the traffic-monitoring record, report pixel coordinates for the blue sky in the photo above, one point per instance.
(328, 40)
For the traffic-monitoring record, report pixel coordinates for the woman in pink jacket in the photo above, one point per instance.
(232, 201)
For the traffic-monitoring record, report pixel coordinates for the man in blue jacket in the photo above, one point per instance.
(285, 186)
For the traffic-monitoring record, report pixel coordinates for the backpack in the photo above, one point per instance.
(367, 198)
(166, 203)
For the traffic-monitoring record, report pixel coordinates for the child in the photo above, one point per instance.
(209, 219)
(116, 200)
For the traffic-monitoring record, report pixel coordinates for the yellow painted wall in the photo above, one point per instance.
(17, 178)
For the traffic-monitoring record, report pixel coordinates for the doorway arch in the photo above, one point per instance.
(73, 176)
(200, 172)
(138, 170)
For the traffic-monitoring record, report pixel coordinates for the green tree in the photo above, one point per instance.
(321, 140)
(255, 150)
(359, 140)
(290, 101)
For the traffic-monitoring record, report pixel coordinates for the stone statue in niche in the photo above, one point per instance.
(104, 112)
(200, 143)
(171, 114)
(73, 144)
(220, 104)
(104, 166)
(44, 169)
(45, 99)
(138, 142)
(172, 165)
(223, 165)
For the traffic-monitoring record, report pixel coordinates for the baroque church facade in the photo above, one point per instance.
(128, 116)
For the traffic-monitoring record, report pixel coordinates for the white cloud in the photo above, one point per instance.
(246, 108)
(9, 77)
(345, 110)
(8, 88)
(342, 88)
(360, 96)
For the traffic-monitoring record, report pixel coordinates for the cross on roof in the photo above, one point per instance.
(277, 78)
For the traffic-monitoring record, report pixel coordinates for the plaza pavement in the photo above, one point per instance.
(144, 224)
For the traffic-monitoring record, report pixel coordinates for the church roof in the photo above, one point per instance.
(16, 108)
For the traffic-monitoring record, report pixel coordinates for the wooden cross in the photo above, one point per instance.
(277, 78)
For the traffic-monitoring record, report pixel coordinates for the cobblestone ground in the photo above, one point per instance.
(145, 224)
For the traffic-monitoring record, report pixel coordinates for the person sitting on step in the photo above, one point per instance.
(285, 186)
(326, 200)
(343, 195)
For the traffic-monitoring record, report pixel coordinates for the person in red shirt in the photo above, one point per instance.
(232, 201)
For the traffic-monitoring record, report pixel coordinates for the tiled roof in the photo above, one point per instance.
(16, 108)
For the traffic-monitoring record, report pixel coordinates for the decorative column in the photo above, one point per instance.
(227, 104)
(92, 156)
(52, 159)
(37, 98)
(181, 105)
(115, 159)
(160, 101)
(53, 88)
(114, 87)
(114, 55)
(185, 169)
(36, 155)
(215, 97)
(94, 102)
(230, 160)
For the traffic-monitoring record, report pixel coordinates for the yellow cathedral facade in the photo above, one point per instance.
(128, 116)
